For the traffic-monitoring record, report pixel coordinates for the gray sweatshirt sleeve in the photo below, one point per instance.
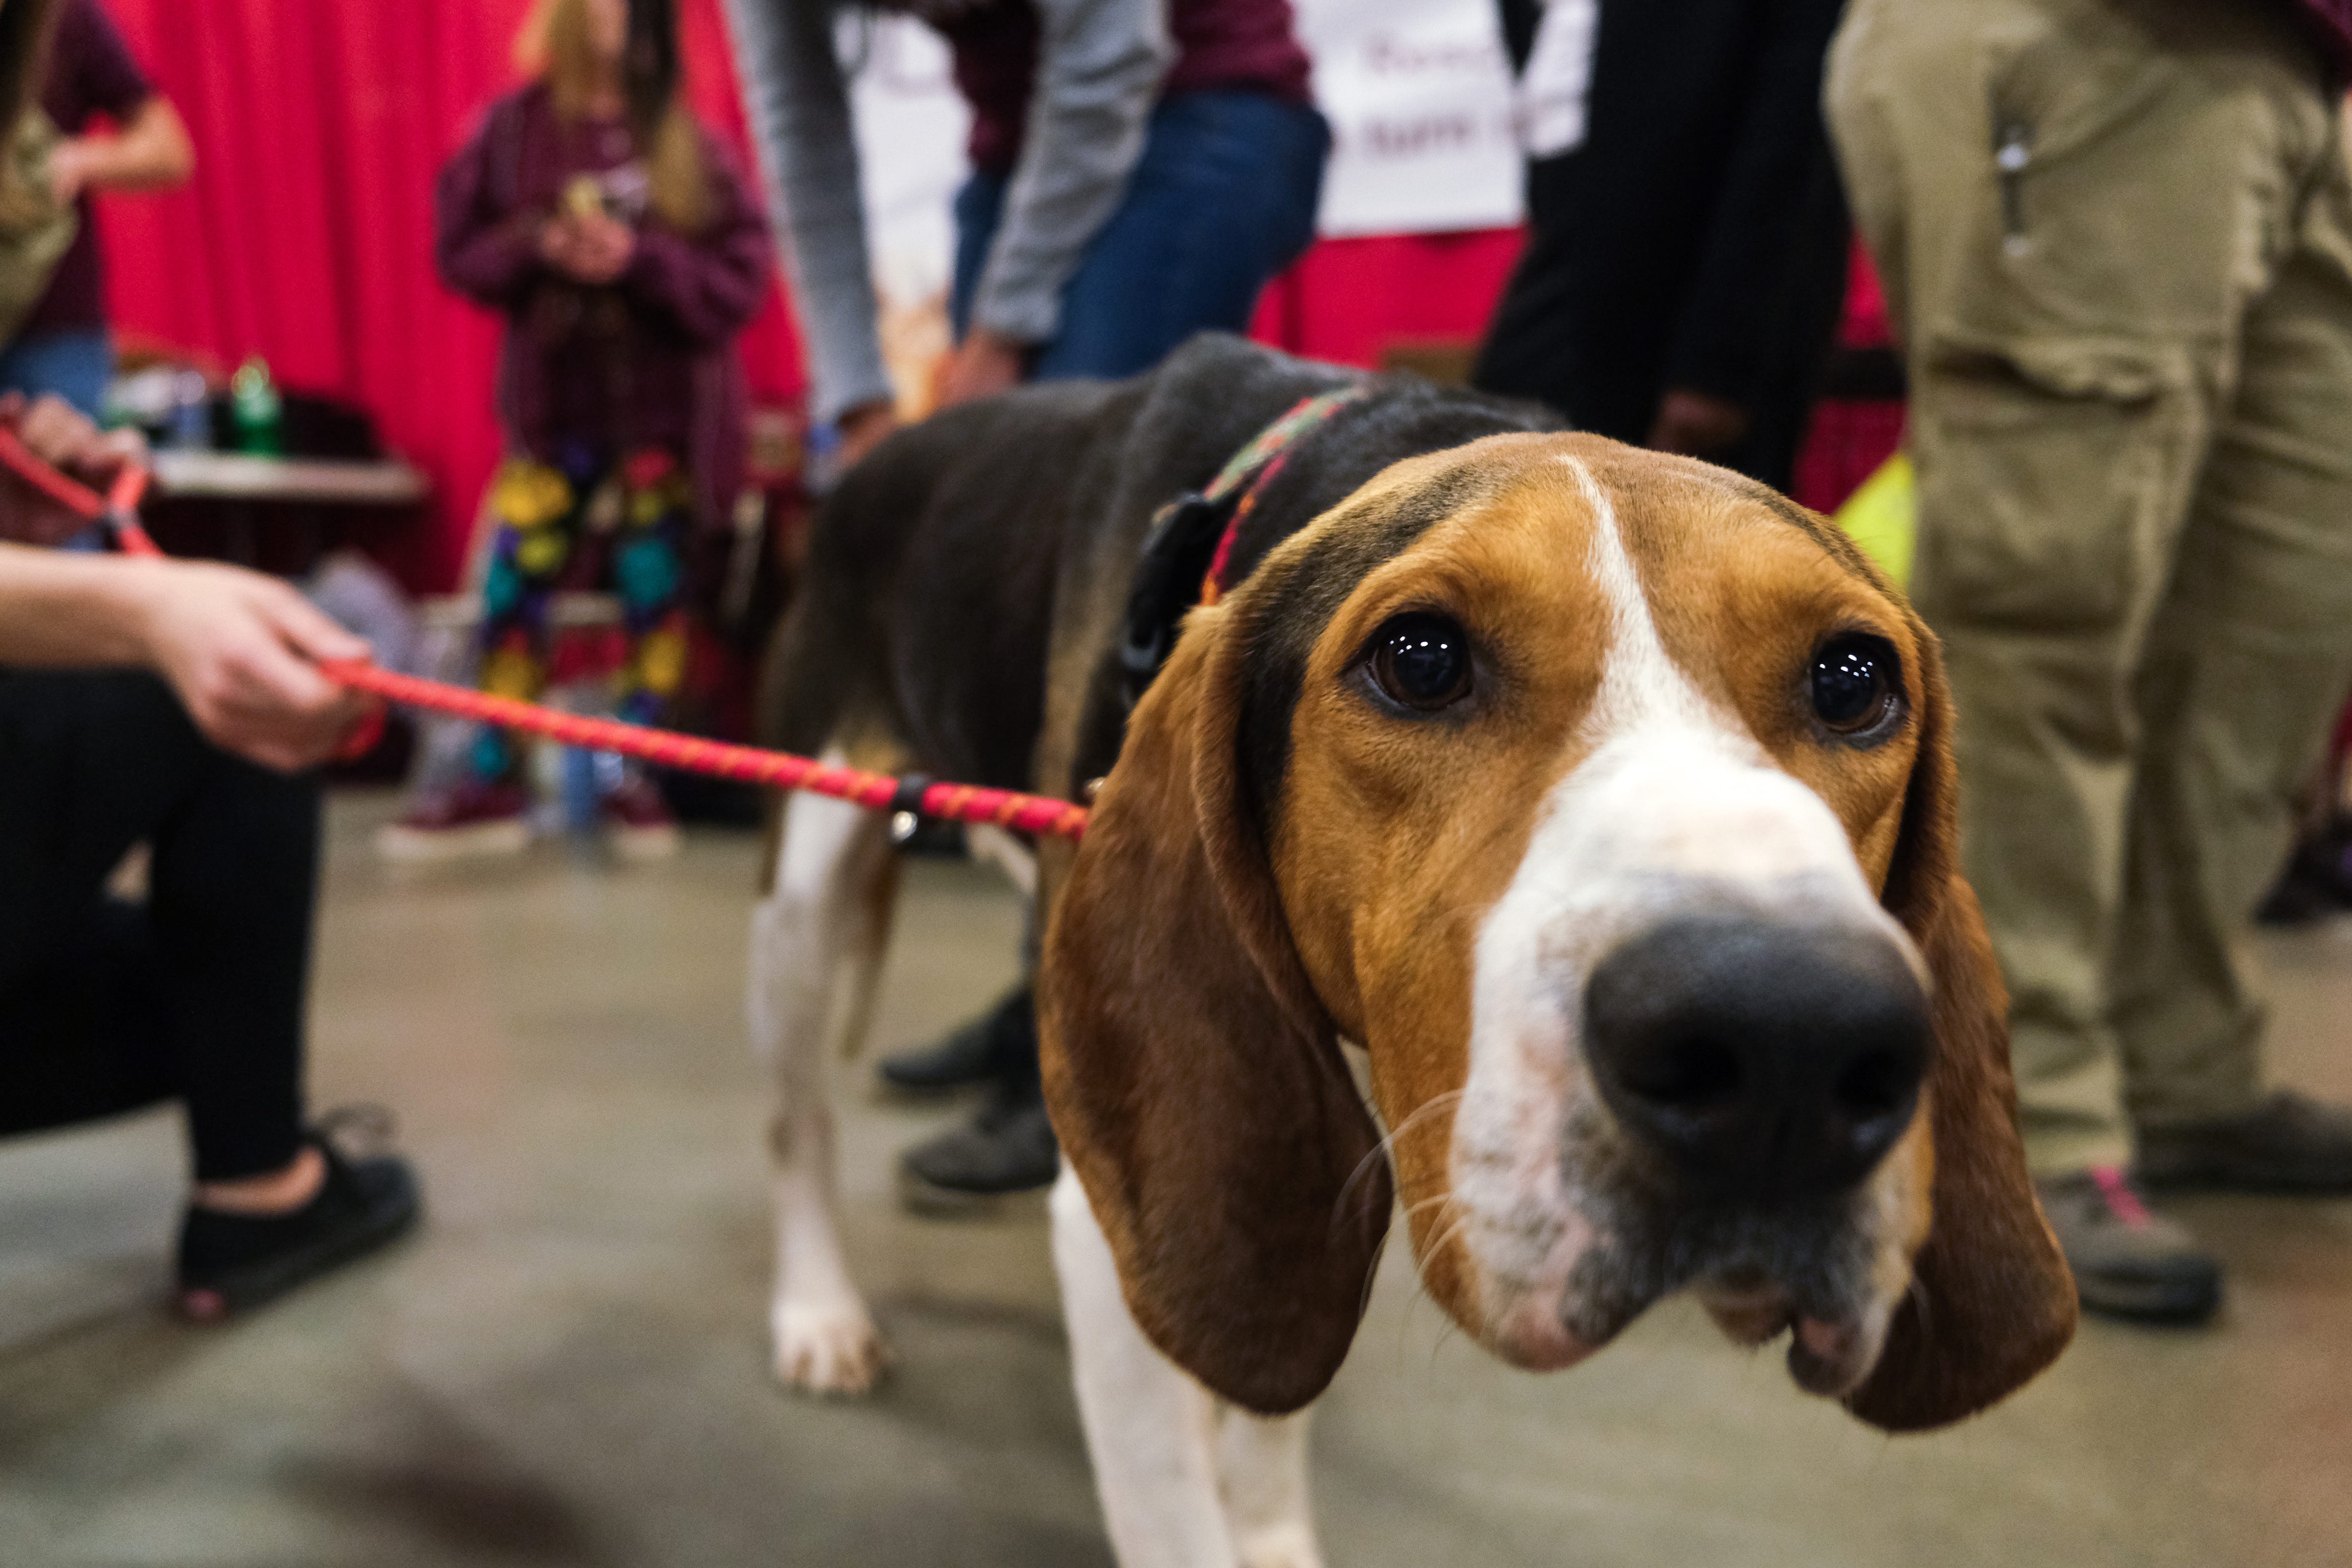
(800, 116)
(1099, 65)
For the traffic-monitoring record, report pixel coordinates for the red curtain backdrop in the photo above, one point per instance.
(307, 234)
(1347, 299)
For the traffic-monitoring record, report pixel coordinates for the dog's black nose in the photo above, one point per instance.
(1763, 1059)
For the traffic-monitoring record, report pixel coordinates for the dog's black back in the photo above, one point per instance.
(965, 585)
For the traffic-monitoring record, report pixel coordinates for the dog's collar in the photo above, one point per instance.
(1251, 470)
(1188, 556)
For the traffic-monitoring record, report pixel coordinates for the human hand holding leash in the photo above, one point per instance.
(243, 652)
(63, 437)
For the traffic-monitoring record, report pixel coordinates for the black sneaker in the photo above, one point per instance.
(2316, 885)
(2289, 1143)
(229, 1263)
(2128, 1261)
(999, 1040)
(1008, 1148)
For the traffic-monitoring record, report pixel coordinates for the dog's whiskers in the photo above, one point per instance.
(1917, 1294)
(1451, 1227)
(1385, 1148)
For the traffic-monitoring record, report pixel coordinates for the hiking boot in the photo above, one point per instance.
(2316, 885)
(978, 1052)
(1008, 1148)
(2129, 1262)
(638, 822)
(231, 1262)
(472, 818)
(2288, 1143)
(2293, 902)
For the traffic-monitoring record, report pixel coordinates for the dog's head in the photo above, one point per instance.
(1606, 800)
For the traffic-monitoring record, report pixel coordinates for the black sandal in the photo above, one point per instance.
(230, 1263)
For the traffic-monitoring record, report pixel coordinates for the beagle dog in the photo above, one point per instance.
(1600, 803)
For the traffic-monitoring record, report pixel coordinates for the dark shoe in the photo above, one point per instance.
(1008, 1148)
(2293, 903)
(229, 1263)
(471, 817)
(2317, 884)
(979, 1052)
(2289, 1143)
(2129, 1262)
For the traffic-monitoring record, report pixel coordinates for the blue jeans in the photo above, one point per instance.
(75, 364)
(1223, 199)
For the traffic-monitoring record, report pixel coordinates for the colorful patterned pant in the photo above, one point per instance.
(585, 523)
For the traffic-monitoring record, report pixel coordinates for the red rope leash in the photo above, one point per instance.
(121, 501)
(747, 764)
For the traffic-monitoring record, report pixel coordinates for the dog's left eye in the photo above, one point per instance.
(1856, 683)
(1421, 661)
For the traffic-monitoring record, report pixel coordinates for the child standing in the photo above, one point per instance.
(623, 250)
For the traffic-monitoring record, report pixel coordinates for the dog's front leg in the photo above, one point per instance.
(1262, 1474)
(1151, 1431)
(804, 935)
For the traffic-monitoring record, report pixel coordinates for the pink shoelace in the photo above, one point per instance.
(2117, 1189)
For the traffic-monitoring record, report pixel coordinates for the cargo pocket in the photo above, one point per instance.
(2098, 202)
(2052, 481)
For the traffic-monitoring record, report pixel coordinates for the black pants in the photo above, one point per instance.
(197, 994)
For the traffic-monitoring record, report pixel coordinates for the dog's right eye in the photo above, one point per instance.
(1421, 661)
(1856, 683)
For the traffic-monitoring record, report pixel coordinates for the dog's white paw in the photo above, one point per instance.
(827, 1347)
(1279, 1546)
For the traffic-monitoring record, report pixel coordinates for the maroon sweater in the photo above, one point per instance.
(1219, 44)
(646, 360)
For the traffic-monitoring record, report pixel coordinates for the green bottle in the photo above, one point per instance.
(256, 409)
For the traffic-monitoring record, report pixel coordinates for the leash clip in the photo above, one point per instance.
(905, 806)
(1167, 583)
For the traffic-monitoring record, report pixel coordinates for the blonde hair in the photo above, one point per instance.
(557, 44)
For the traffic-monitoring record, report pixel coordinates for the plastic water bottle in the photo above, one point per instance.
(192, 412)
(256, 409)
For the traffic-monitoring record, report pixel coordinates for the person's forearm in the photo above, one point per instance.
(150, 152)
(800, 110)
(1100, 63)
(61, 608)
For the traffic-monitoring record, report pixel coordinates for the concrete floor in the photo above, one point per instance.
(567, 1367)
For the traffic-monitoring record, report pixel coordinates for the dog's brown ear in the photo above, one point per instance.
(1195, 1081)
(1993, 1303)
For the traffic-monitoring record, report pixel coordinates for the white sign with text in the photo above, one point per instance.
(1419, 100)
(911, 125)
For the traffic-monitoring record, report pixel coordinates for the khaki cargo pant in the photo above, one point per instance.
(2117, 238)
